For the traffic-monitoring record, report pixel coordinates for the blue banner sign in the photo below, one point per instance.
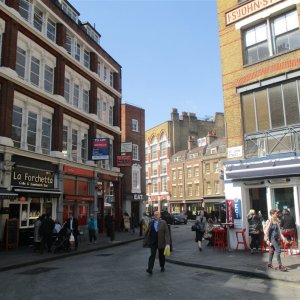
(100, 149)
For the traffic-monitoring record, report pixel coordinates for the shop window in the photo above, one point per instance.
(69, 186)
(283, 198)
(82, 187)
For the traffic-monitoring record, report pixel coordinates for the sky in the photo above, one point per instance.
(168, 50)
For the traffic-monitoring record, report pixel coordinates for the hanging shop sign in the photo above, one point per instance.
(126, 147)
(123, 160)
(100, 148)
(33, 178)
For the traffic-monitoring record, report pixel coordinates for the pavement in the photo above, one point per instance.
(187, 254)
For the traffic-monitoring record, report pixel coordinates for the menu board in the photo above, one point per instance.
(11, 233)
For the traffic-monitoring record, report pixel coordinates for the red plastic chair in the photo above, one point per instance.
(220, 238)
(243, 241)
(290, 235)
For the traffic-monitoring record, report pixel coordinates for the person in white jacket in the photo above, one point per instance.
(273, 235)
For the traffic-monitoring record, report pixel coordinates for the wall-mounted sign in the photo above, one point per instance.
(237, 214)
(126, 147)
(234, 152)
(138, 196)
(33, 178)
(100, 149)
(78, 171)
(123, 161)
(229, 211)
(248, 9)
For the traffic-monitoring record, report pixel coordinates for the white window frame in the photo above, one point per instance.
(134, 125)
(135, 152)
(164, 184)
(73, 125)
(79, 90)
(163, 166)
(136, 178)
(196, 171)
(41, 111)
(254, 37)
(47, 62)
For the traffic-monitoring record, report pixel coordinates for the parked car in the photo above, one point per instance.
(179, 218)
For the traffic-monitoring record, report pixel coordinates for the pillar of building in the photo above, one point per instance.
(10, 42)
(6, 108)
(57, 132)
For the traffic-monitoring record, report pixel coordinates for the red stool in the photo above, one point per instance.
(243, 241)
(220, 238)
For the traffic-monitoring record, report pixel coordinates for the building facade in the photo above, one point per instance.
(60, 115)
(132, 161)
(195, 176)
(166, 139)
(260, 43)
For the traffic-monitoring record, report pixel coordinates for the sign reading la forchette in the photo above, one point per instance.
(248, 9)
(32, 178)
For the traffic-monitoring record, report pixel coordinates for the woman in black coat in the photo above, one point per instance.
(200, 227)
(255, 228)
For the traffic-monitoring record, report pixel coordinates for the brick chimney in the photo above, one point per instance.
(211, 136)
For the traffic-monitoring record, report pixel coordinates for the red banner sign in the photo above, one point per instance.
(123, 161)
(229, 211)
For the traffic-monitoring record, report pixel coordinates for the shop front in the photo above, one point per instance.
(263, 185)
(37, 194)
(109, 199)
(79, 194)
(211, 202)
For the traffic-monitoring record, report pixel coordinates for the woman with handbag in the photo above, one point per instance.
(272, 237)
(200, 227)
(255, 226)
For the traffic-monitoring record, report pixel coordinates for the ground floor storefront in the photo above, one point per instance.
(262, 185)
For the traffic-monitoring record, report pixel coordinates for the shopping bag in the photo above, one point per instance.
(167, 251)
(71, 239)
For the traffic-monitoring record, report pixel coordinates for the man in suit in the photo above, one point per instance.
(159, 238)
(72, 224)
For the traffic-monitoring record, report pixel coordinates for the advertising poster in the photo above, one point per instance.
(237, 214)
(229, 211)
(100, 149)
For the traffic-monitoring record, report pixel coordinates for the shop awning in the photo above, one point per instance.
(6, 194)
(37, 191)
(264, 170)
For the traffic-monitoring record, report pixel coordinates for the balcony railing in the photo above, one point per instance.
(276, 141)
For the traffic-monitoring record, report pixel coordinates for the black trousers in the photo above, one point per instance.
(161, 257)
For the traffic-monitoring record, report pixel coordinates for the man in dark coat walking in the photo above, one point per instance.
(158, 239)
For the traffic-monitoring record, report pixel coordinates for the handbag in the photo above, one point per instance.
(167, 251)
(71, 239)
(193, 228)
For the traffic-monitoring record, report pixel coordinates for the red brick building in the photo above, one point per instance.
(132, 161)
(59, 91)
